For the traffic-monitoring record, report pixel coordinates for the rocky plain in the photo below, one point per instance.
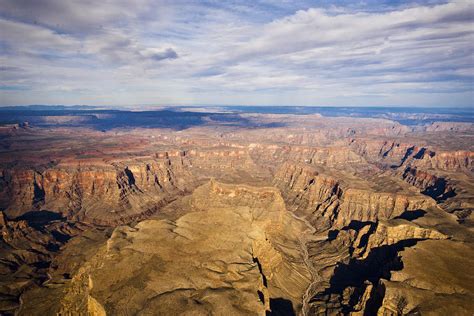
(235, 213)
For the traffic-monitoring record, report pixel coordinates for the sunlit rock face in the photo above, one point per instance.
(280, 215)
(238, 249)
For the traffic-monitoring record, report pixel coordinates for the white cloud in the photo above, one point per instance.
(152, 52)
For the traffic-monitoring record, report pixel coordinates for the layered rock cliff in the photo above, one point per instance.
(323, 197)
(117, 191)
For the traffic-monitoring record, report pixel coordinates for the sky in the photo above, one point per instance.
(256, 52)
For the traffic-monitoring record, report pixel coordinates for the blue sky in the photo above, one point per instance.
(336, 53)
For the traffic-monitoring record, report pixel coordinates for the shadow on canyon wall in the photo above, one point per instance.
(38, 219)
(281, 307)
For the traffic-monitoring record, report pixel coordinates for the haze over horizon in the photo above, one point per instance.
(342, 53)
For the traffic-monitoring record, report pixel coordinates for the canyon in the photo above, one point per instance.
(240, 213)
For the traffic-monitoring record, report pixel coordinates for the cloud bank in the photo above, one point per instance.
(257, 52)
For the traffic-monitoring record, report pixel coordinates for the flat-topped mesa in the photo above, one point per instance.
(333, 157)
(386, 151)
(260, 199)
(366, 205)
(395, 153)
(318, 131)
(219, 162)
(460, 160)
(450, 126)
(193, 153)
(388, 233)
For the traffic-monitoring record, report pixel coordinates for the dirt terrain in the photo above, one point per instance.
(245, 214)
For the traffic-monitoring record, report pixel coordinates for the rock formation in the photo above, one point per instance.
(284, 215)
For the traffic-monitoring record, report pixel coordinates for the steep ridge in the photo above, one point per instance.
(352, 264)
(395, 153)
(327, 201)
(390, 151)
(436, 187)
(444, 175)
(448, 161)
(332, 157)
(97, 193)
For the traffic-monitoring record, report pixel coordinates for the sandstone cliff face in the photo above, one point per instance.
(318, 196)
(20, 189)
(363, 205)
(395, 153)
(386, 234)
(306, 191)
(333, 157)
(352, 266)
(429, 184)
(119, 190)
(94, 193)
(449, 126)
(448, 161)
(391, 152)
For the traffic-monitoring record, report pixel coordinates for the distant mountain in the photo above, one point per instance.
(40, 107)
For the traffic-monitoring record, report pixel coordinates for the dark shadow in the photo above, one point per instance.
(420, 153)
(131, 178)
(440, 191)
(332, 234)
(405, 157)
(407, 154)
(411, 215)
(62, 238)
(52, 247)
(41, 264)
(264, 278)
(38, 219)
(356, 225)
(379, 263)
(38, 194)
(280, 307)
